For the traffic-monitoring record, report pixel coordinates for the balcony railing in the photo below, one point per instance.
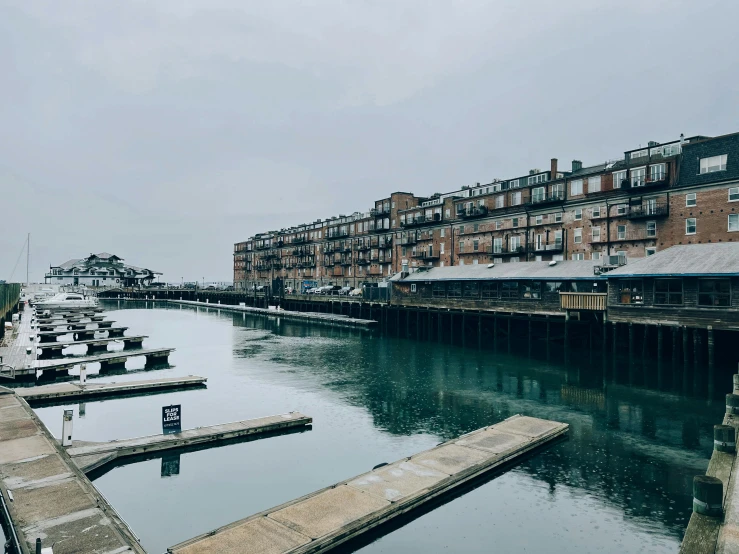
(633, 235)
(363, 247)
(542, 199)
(638, 185)
(646, 211)
(421, 220)
(473, 212)
(363, 261)
(411, 239)
(346, 261)
(337, 234)
(299, 240)
(505, 250)
(426, 255)
(374, 212)
(554, 246)
(590, 301)
(262, 247)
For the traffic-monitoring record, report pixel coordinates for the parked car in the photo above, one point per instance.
(355, 292)
(289, 290)
(344, 291)
(261, 288)
(313, 290)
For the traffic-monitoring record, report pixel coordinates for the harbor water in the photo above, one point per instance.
(620, 483)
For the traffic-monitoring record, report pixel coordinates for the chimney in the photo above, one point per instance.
(576, 165)
(554, 169)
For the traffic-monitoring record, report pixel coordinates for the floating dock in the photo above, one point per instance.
(327, 319)
(46, 495)
(93, 345)
(76, 326)
(91, 456)
(75, 391)
(328, 518)
(109, 360)
(51, 336)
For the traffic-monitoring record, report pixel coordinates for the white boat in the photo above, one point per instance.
(67, 300)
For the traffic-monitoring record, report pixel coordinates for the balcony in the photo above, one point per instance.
(632, 235)
(329, 263)
(263, 267)
(346, 248)
(379, 230)
(583, 301)
(363, 261)
(504, 251)
(408, 240)
(337, 235)
(376, 212)
(544, 247)
(640, 185)
(426, 255)
(363, 247)
(648, 211)
(377, 242)
(543, 199)
(471, 213)
(375, 271)
(299, 240)
(270, 255)
(277, 265)
(263, 247)
(421, 221)
(329, 249)
(346, 261)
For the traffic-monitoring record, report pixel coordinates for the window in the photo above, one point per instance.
(558, 217)
(668, 292)
(638, 176)
(621, 209)
(596, 234)
(509, 290)
(515, 243)
(734, 194)
(489, 291)
(413, 287)
(539, 219)
(714, 163)
(515, 198)
(475, 245)
(475, 227)
(596, 211)
(575, 187)
(596, 255)
(461, 229)
(393, 204)
(578, 235)
(498, 225)
(618, 178)
(499, 201)
(534, 179)
(447, 213)
(578, 214)
(454, 290)
(657, 172)
(513, 184)
(531, 290)
(733, 222)
(441, 248)
(470, 289)
(497, 245)
(438, 290)
(690, 226)
(403, 251)
(514, 222)
(621, 232)
(631, 291)
(461, 246)
(539, 194)
(475, 261)
(553, 287)
(650, 250)
(594, 184)
(578, 256)
(651, 229)
(690, 200)
(639, 154)
(714, 292)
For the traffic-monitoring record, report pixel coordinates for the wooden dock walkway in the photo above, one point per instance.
(129, 342)
(45, 493)
(91, 456)
(74, 391)
(328, 518)
(310, 317)
(51, 336)
(75, 326)
(107, 360)
(71, 319)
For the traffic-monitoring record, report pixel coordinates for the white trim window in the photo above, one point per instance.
(638, 176)
(618, 178)
(690, 200)
(657, 172)
(500, 201)
(578, 257)
(413, 287)
(513, 183)
(733, 222)
(713, 164)
(497, 245)
(691, 226)
(734, 194)
(515, 242)
(621, 232)
(578, 214)
(539, 220)
(536, 179)
(578, 235)
(539, 194)
(498, 225)
(558, 217)
(621, 209)
(595, 234)
(650, 250)
(576, 187)
(639, 154)
(595, 256)
(558, 191)
(596, 211)
(651, 229)
(594, 183)
(516, 198)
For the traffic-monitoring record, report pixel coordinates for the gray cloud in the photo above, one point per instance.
(167, 131)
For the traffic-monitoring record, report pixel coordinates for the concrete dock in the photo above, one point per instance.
(328, 518)
(311, 317)
(74, 391)
(91, 456)
(93, 345)
(47, 496)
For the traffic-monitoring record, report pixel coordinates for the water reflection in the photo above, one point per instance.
(639, 432)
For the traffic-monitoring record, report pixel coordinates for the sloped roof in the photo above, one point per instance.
(105, 256)
(566, 270)
(69, 264)
(720, 258)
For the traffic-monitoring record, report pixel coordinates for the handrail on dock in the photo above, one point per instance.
(594, 301)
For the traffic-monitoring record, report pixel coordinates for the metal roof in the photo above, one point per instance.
(566, 270)
(720, 258)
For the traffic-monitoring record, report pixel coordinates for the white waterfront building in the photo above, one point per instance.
(99, 270)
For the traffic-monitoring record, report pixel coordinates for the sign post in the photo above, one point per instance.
(172, 418)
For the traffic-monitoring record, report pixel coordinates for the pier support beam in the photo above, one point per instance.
(710, 348)
(686, 359)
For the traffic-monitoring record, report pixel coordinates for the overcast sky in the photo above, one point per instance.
(165, 131)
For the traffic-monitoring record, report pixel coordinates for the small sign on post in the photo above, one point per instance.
(172, 418)
(67, 428)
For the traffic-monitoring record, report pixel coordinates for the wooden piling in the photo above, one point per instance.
(686, 359)
(659, 342)
(710, 348)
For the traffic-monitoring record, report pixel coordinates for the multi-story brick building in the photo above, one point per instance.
(678, 192)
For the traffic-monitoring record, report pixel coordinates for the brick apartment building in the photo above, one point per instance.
(680, 192)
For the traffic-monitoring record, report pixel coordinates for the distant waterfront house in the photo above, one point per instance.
(695, 285)
(99, 270)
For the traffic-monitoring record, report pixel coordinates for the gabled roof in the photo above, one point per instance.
(69, 264)
(715, 259)
(566, 270)
(105, 256)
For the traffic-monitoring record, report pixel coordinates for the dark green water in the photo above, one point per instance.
(621, 483)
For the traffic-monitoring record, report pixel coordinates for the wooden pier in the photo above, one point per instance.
(75, 326)
(75, 391)
(50, 336)
(46, 495)
(109, 360)
(91, 456)
(328, 518)
(93, 345)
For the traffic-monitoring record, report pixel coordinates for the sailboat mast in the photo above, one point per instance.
(28, 255)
